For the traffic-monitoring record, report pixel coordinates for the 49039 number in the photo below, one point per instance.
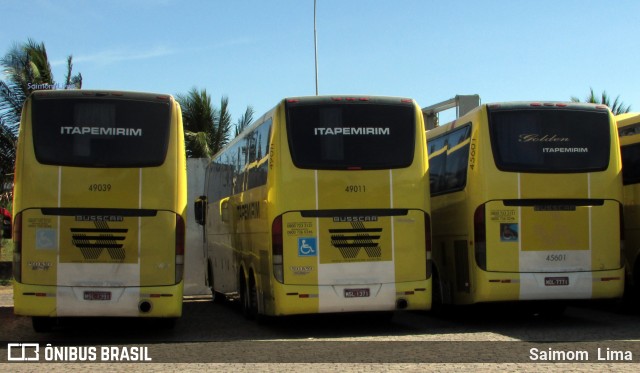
(100, 187)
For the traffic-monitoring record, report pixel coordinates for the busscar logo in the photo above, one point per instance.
(349, 219)
(93, 241)
(350, 241)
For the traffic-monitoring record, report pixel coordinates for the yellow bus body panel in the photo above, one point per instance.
(586, 239)
(64, 208)
(630, 122)
(317, 274)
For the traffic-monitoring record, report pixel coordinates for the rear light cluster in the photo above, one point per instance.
(17, 248)
(480, 237)
(180, 232)
(350, 99)
(547, 104)
(622, 236)
(277, 249)
(427, 241)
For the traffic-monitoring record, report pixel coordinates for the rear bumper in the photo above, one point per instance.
(504, 286)
(60, 301)
(301, 299)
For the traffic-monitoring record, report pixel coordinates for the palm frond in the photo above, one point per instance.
(39, 63)
(74, 81)
(197, 145)
(245, 120)
(617, 107)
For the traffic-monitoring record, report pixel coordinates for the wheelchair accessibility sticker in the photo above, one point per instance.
(46, 239)
(307, 246)
(508, 232)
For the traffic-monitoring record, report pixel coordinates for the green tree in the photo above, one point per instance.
(244, 121)
(207, 128)
(26, 68)
(199, 122)
(617, 107)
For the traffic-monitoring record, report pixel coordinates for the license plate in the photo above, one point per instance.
(356, 293)
(556, 281)
(97, 295)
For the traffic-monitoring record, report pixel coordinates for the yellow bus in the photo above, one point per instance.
(629, 131)
(320, 207)
(527, 205)
(99, 206)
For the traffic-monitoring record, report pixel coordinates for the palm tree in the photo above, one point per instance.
(26, 68)
(244, 121)
(199, 121)
(206, 128)
(617, 107)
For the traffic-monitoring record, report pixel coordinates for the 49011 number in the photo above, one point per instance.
(355, 189)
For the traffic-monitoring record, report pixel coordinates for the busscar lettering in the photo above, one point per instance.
(348, 131)
(106, 218)
(349, 219)
(101, 131)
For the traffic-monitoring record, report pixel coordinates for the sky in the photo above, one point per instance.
(257, 52)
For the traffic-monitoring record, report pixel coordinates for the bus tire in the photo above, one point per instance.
(216, 297)
(438, 306)
(252, 298)
(245, 303)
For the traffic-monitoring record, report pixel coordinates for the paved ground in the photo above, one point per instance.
(214, 336)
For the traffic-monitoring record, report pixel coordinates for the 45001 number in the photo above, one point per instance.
(556, 257)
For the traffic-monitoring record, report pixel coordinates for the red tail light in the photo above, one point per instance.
(277, 249)
(427, 242)
(180, 233)
(17, 248)
(480, 237)
(622, 236)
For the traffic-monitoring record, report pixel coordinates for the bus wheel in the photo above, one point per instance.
(250, 299)
(253, 298)
(216, 297)
(245, 302)
(437, 304)
(42, 324)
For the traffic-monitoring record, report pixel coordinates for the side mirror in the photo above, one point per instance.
(200, 210)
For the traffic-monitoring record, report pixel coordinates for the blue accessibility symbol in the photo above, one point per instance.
(307, 246)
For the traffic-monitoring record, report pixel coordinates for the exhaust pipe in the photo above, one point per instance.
(402, 304)
(144, 306)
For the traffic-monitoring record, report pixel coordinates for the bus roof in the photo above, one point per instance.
(512, 105)
(349, 98)
(82, 93)
(627, 119)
